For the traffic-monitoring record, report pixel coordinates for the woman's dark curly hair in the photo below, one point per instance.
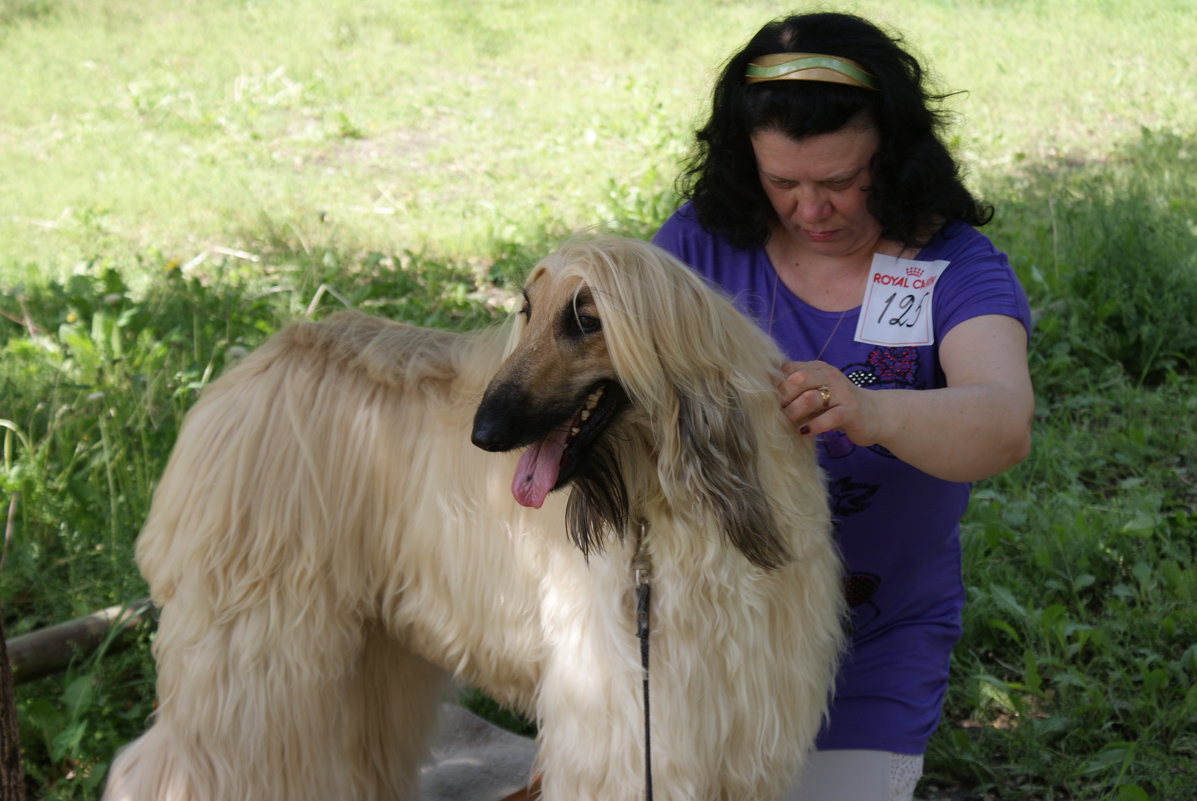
(916, 183)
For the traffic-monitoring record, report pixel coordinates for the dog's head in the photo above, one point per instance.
(627, 368)
(557, 395)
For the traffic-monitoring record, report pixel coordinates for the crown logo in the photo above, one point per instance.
(914, 272)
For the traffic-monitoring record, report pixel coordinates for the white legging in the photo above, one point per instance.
(857, 776)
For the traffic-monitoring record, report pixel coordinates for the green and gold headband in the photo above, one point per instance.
(809, 67)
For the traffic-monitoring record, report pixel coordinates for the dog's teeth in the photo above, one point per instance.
(593, 400)
(573, 432)
(585, 415)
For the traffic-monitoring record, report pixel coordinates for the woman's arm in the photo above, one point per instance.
(975, 427)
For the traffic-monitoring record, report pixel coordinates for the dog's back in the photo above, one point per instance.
(293, 427)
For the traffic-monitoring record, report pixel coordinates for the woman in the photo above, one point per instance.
(821, 197)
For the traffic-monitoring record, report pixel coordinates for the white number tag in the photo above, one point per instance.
(896, 311)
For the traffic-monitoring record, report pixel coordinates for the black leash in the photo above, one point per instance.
(641, 566)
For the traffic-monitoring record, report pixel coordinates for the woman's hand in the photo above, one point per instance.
(817, 397)
(975, 427)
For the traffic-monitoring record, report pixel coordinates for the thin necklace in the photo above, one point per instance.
(834, 328)
(773, 316)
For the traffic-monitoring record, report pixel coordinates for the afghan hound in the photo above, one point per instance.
(329, 551)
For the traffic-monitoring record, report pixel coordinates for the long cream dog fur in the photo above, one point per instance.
(328, 549)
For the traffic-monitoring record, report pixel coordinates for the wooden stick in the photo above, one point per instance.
(51, 649)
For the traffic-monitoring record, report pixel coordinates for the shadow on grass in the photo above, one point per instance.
(1108, 253)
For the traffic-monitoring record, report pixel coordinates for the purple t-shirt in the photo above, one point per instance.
(897, 527)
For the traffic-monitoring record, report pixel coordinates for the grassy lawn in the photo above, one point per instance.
(180, 178)
(134, 128)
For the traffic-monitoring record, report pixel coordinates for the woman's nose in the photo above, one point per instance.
(811, 205)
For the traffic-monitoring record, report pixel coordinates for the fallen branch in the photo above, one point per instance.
(50, 650)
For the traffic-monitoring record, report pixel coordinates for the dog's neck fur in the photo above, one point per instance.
(609, 496)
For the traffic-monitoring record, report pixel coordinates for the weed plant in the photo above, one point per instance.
(1110, 249)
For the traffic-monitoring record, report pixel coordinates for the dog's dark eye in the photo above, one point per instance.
(588, 324)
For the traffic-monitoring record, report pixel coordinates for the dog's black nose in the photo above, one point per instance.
(488, 436)
(492, 426)
(496, 422)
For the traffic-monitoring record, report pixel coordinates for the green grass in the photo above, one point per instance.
(1075, 675)
(181, 178)
(134, 128)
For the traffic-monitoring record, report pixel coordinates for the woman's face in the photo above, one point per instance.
(817, 186)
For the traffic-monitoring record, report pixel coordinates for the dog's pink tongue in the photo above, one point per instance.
(536, 473)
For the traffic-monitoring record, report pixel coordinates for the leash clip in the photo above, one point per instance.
(642, 597)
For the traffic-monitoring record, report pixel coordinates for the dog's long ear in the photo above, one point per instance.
(716, 460)
(700, 372)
